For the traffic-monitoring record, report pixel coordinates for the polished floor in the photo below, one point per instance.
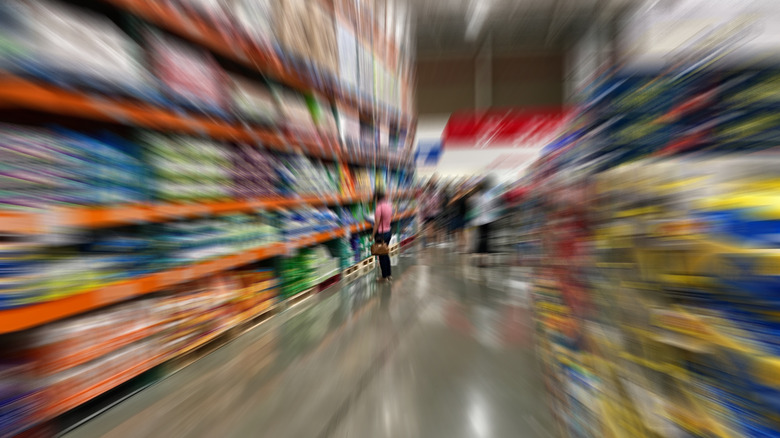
(446, 350)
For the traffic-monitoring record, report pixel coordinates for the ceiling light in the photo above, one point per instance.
(478, 12)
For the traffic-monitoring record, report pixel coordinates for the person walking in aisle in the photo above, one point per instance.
(458, 221)
(382, 220)
(431, 208)
(485, 209)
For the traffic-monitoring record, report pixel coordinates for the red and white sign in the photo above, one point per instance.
(526, 128)
(502, 142)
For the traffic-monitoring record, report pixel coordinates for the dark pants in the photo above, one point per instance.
(384, 260)
(483, 246)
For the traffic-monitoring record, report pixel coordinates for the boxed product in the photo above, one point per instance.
(187, 74)
(295, 112)
(68, 44)
(255, 19)
(254, 172)
(253, 100)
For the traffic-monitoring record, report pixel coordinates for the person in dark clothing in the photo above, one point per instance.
(460, 209)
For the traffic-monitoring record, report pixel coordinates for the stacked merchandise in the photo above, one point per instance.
(304, 176)
(327, 265)
(297, 272)
(44, 168)
(47, 40)
(187, 75)
(364, 180)
(342, 250)
(254, 100)
(135, 237)
(34, 272)
(363, 247)
(254, 173)
(57, 42)
(54, 368)
(185, 243)
(654, 296)
(187, 168)
(295, 111)
(307, 221)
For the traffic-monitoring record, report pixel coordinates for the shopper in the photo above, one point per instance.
(382, 221)
(485, 213)
(431, 208)
(459, 205)
(447, 213)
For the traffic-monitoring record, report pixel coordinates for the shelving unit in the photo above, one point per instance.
(211, 282)
(102, 217)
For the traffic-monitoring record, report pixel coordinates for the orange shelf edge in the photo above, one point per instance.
(85, 217)
(22, 318)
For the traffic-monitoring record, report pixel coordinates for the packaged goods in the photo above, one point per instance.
(188, 75)
(255, 18)
(46, 168)
(295, 111)
(187, 168)
(253, 101)
(254, 173)
(62, 43)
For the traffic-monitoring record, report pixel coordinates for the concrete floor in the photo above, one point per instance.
(444, 351)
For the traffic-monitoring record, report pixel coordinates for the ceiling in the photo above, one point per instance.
(509, 25)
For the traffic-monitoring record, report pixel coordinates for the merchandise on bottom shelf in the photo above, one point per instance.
(297, 272)
(343, 251)
(306, 269)
(327, 265)
(50, 369)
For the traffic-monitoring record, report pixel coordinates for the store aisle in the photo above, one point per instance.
(445, 351)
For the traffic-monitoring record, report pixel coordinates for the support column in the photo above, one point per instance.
(483, 74)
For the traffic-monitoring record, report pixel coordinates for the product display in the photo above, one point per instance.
(187, 74)
(653, 262)
(188, 168)
(63, 364)
(65, 44)
(254, 100)
(171, 171)
(44, 169)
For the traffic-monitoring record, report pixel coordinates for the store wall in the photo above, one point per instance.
(445, 85)
(534, 79)
(451, 83)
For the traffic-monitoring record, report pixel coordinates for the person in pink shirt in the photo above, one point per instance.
(383, 217)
